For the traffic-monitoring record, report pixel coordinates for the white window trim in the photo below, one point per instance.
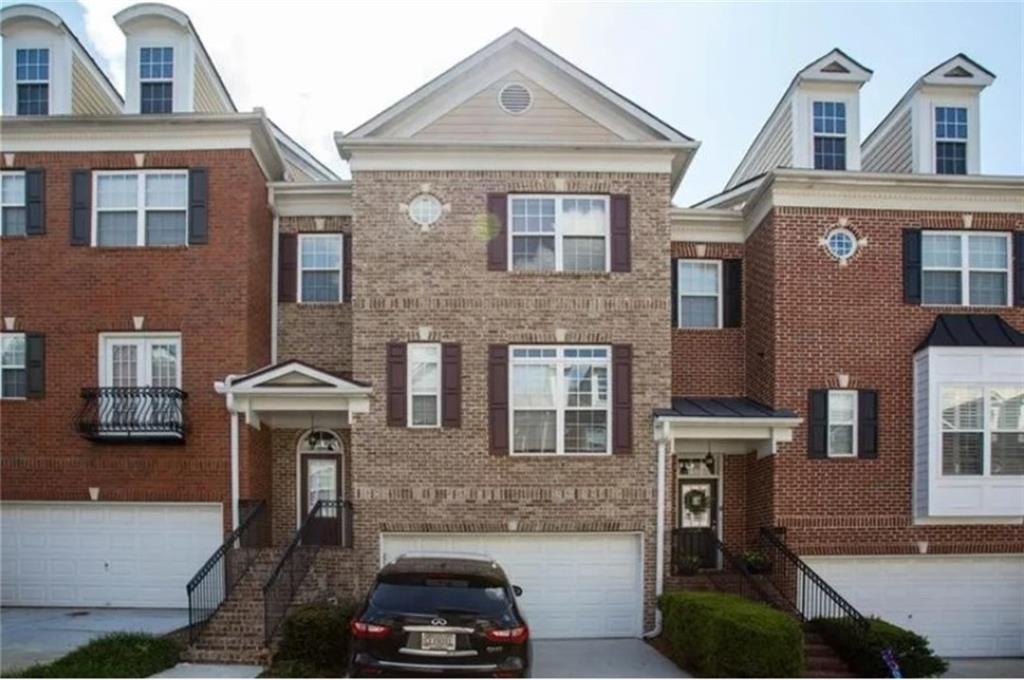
(47, 82)
(162, 79)
(436, 347)
(852, 424)
(105, 339)
(140, 206)
(23, 366)
(841, 231)
(959, 140)
(560, 408)
(558, 234)
(965, 269)
(340, 238)
(12, 173)
(834, 135)
(681, 293)
(986, 430)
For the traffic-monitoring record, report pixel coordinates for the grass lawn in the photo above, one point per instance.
(118, 655)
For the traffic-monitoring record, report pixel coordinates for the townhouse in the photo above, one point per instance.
(501, 336)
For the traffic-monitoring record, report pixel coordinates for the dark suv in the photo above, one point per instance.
(441, 615)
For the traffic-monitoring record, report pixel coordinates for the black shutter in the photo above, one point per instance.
(912, 266)
(396, 360)
(81, 207)
(35, 365)
(287, 267)
(732, 292)
(817, 425)
(497, 246)
(35, 201)
(497, 399)
(620, 246)
(675, 292)
(622, 399)
(197, 210)
(867, 424)
(1018, 268)
(346, 265)
(451, 385)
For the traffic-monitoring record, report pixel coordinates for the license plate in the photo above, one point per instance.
(437, 641)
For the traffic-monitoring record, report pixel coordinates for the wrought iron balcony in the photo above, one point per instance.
(132, 413)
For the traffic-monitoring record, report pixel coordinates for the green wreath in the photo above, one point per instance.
(696, 501)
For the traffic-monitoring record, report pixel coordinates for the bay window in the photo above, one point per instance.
(143, 208)
(559, 233)
(982, 430)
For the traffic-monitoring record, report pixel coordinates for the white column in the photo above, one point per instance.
(234, 470)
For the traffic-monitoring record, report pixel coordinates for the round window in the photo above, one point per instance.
(841, 244)
(515, 98)
(425, 210)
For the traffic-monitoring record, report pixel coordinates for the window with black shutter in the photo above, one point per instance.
(843, 423)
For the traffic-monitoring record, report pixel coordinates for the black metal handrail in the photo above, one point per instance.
(809, 595)
(215, 580)
(702, 550)
(328, 523)
(127, 412)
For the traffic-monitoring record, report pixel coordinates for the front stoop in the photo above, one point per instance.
(821, 661)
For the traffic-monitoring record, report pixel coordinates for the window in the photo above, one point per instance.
(950, 140)
(700, 293)
(842, 423)
(559, 398)
(13, 376)
(424, 385)
(559, 233)
(12, 204)
(148, 208)
(135, 360)
(960, 268)
(32, 78)
(973, 444)
(829, 135)
(425, 210)
(320, 267)
(841, 244)
(156, 76)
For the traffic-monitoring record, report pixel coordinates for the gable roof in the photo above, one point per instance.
(295, 374)
(971, 330)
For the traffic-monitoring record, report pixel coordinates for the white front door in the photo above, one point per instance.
(132, 361)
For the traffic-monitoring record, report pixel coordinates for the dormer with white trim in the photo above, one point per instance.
(47, 71)
(815, 125)
(934, 128)
(167, 68)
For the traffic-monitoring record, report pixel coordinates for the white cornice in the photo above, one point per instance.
(311, 199)
(697, 225)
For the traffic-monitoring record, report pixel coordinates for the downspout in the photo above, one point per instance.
(273, 275)
(661, 440)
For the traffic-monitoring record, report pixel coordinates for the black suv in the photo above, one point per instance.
(440, 615)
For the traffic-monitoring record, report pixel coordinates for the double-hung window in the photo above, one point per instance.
(32, 81)
(842, 423)
(951, 140)
(12, 203)
(156, 79)
(960, 268)
(320, 265)
(559, 233)
(700, 293)
(145, 208)
(424, 381)
(560, 399)
(829, 135)
(982, 430)
(13, 376)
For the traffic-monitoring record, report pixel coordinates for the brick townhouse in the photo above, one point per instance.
(500, 336)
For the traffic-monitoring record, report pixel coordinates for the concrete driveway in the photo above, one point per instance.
(618, 658)
(31, 635)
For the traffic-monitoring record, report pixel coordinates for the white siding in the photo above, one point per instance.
(893, 149)
(773, 149)
(921, 431)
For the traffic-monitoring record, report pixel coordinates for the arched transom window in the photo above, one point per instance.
(320, 441)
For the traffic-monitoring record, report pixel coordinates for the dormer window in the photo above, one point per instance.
(829, 135)
(950, 140)
(156, 79)
(32, 78)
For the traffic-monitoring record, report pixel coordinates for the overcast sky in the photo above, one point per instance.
(712, 70)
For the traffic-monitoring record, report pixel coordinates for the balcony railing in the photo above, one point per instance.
(132, 413)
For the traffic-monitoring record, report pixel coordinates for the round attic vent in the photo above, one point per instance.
(515, 98)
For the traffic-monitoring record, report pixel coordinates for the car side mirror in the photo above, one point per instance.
(517, 590)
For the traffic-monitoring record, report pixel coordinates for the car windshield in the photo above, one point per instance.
(434, 595)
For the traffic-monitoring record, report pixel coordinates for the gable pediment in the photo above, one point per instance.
(960, 70)
(836, 66)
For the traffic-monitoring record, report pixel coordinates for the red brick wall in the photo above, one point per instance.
(217, 295)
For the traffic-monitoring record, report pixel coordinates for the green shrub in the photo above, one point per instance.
(118, 655)
(317, 636)
(862, 650)
(719, 635)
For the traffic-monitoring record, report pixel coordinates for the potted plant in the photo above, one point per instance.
(688, 565)
(756, 562)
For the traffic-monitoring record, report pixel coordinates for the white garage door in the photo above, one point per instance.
(964, 605)
(574, 585)
(104, 554)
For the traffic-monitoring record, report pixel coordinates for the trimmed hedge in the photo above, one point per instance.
(862, 650)
(314, 641)
(719, 635)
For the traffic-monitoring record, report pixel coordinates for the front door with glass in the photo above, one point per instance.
(698, 511)
(142, 376)
(321, 481)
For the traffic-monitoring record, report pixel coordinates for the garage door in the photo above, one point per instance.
(574, 585)
(104, 554)
(966, 606)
